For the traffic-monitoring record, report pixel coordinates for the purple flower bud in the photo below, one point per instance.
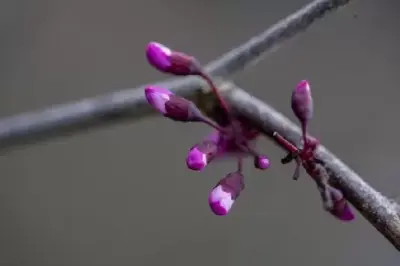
(169, 61)
(225, 193)
(261, 162)
(302, 102)
(201, 154)
(341, 208)
(172, 106)
(158, 97)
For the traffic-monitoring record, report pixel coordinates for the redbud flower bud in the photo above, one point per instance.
(261, 162)
(201, 154)
(172, 106)
(302, 102)
(341, 208)
(157, 97)
(169, 61)
(225, 193)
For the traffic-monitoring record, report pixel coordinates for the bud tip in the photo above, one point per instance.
(157, 97)
(196, 160)
(346, 214)
(158, 55)
(220, 201)
(303, 86)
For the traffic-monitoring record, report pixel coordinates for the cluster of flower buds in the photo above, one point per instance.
(332, 198)
(233, 139)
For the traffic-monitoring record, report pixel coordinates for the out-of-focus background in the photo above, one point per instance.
(122, 195)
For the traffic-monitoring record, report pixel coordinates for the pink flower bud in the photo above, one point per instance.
(225, 193)
(341, 208)
(169, 61)
(201, 154)
(302, 102)
(261, 162)
(158, 97)
(172, 106)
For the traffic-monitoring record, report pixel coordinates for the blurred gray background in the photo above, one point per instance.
(122, 195)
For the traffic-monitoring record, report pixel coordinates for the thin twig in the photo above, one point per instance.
(131, 103)
(382, 213)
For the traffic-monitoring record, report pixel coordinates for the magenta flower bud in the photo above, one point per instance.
(172, 62)
(201, 154)
(341, 209)
(158, 97)
(172, 106)
(225, 193)
(302, 102)
(261, 162)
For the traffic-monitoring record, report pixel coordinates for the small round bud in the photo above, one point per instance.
(169, 61)
(225, 193)
(302, 102)
(261, 162)
(201, 154)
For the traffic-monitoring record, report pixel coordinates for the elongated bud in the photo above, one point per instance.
(302, 102)
(341, 209)
(172, 106)
(201, 154)
(172, 62)
(157, 97)
(225, 193)
(261, 162)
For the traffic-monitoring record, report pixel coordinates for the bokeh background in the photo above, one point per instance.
(122, 195)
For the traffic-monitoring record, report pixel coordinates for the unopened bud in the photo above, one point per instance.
(157, 97)
(302, 102)
(172, 62)
(261, 162)
(172, 106)
(201, 154)
(183, 110)
(225, 193)
(341, 209)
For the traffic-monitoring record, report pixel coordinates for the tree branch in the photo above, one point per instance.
(131, 104)
(382, 213)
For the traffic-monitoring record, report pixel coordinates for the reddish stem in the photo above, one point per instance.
(306, 156)
(214, 125)
(238, 137)
(214, 89)
(304, 132)
(285, 143)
